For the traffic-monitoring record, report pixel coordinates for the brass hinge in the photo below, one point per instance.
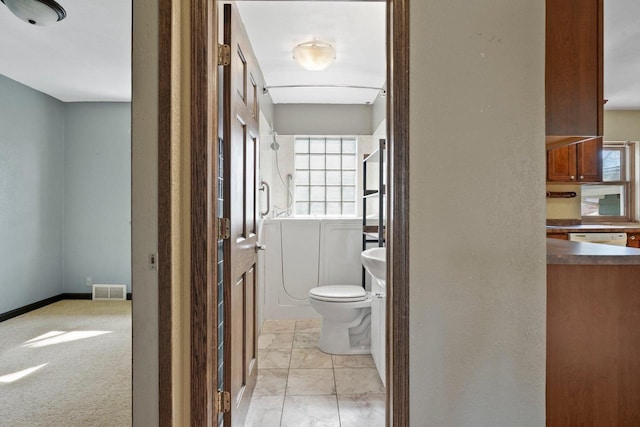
(224, 54)
(223, 402)
(224, 228)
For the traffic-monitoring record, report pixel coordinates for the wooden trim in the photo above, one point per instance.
(42, 303)
(76, 295)
(30, 307)
(203, 243)
(165, 308)
(397, 369)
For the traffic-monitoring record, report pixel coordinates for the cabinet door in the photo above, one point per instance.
(633, 240)
(560, 236)
(375, 321)
(382, 359)
(574, 67)
(589, 160)
(561, 164)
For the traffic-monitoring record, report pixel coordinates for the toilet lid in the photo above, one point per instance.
(338, 293)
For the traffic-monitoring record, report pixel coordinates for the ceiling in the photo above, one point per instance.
(87, 56)
(355, 29)
(622, 54)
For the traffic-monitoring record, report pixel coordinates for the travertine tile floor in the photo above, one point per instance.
(298, 385)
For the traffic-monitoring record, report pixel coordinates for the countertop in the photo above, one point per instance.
(566, 252)
(626, 227)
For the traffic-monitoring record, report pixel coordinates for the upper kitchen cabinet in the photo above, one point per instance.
(576, 163)
(574, 89)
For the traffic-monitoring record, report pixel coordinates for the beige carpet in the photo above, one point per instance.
(67, 364)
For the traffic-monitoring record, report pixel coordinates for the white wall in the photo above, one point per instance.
(477, 213)
(97, 197)
(624, 125)
(31, 195)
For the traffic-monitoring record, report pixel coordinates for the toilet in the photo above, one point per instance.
(346, 318)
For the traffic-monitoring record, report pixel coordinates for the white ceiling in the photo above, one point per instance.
(356, 29)
(87, 56)
(622, 54)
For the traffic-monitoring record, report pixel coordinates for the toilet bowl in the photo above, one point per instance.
(346, 318)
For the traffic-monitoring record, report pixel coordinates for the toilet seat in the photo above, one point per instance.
(338, 293)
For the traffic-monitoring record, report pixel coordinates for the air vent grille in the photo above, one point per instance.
(109, 292)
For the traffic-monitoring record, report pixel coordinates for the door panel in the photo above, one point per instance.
(237, 380)
(590, 160)
(561, 164)
(240, 99)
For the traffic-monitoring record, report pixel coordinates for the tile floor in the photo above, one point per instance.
(298, 385)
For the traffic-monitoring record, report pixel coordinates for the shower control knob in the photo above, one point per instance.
(260, 247)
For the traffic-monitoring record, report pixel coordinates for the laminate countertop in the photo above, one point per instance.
(629, 227)
(579, 253)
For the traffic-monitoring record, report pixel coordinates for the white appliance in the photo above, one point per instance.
(616, 239)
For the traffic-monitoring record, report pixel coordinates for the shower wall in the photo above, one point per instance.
(302, 253)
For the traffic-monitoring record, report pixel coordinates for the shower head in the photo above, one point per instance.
(274, 144)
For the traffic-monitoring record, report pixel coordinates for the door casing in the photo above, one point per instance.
(203, 146)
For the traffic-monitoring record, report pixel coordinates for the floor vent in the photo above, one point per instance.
(109, 292)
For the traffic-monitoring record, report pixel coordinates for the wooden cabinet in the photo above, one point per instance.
(560, 236)
(574, 88)
(633, 240)
(576, 163)
(593, 342)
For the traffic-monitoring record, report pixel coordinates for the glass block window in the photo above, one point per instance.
(325, 182)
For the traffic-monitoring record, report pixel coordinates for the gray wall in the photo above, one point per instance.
(65, 195)
(477, 213)
(31, 195)
(378, 111)
(322, 119)
(267, 108)
(97, 184)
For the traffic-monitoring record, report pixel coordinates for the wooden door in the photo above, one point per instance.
(240, 122)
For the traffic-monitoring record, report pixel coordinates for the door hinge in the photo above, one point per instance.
(224, 228)
(224, 54)
(223, 402)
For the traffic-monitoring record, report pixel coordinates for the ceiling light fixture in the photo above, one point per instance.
(314, 55)
(36, 12)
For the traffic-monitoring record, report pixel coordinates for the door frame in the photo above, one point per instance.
(203, 139)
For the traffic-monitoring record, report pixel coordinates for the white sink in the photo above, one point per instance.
(375, 262)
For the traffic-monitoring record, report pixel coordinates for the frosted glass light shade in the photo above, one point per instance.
(36, 12)
(315, 55)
